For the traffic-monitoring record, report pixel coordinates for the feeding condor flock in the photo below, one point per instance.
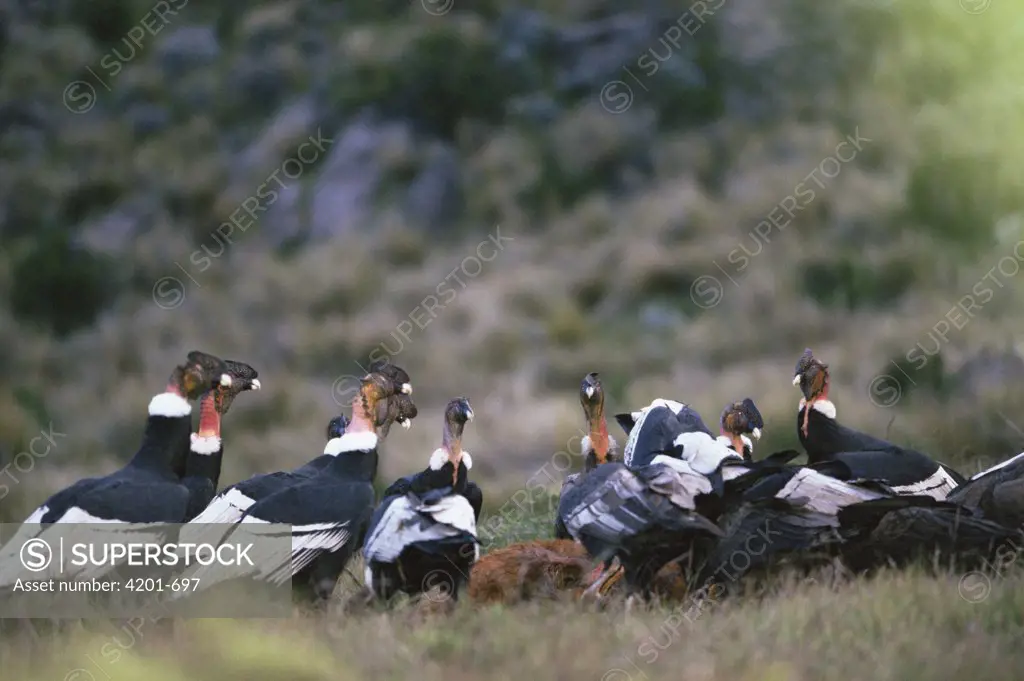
(674, 513)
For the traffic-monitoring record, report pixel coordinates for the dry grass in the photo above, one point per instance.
(898, 627)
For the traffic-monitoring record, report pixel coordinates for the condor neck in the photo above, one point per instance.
(209, 417)
(165, 441)
(206, 451)
(451, 441)
(599, 442)
(362, 416)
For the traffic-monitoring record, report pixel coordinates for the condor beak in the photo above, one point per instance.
(225, 380)
(589, 391)
(406, 423)
(255, 384)
(756, 432)
(469, 414)
(407, 388)
(796, 380)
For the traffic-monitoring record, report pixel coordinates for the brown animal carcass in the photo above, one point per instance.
(530, 570)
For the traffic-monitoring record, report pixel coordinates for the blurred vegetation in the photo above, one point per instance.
(447, 130)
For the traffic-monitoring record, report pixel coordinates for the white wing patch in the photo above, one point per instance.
(997, 467)
(938, 485)
(453, 510)
(600, 512)
(639, 417)
(37, 515)
(10, 562)
(704, 453)
(674, 406)
(403, 523)
(308, 542)
(731, 472)
(813, 491)
(226, 507)
(79, 515)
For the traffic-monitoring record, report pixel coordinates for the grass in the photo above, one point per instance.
(900, 626)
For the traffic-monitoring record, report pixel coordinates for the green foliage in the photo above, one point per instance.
(853, 283)
(443, 76)
(956, 198)
(60, 286)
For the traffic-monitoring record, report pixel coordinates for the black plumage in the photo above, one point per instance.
(231, 503)
(644, 517)
(653, 429)
(597, 447)
(898, 531)
(206, 451)
(997, 493)
(148, 489)
(423, 534)
(858, 454)
(329, 512)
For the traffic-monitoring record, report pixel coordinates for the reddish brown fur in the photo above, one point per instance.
(546, 567)
(670, 583)
(529, 570)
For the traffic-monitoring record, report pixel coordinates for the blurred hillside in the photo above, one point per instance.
(503, 198)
